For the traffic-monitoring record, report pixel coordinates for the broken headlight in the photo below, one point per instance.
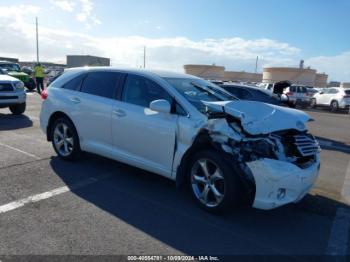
(258, 149)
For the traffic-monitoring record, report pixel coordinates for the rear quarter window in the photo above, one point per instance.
(102, 84)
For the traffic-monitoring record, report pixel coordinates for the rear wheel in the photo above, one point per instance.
(18, 109)
(215, 185)
(313, 103)
(65, 139)
(334, 106)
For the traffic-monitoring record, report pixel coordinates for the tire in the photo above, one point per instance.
(18, 109)
(292, 105)
(334, 106)
(313, 103)
(66, 143)
(217, 190)
(30, 85)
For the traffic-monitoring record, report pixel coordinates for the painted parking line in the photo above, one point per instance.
(20, 151)
(338, 241)
(55, 192)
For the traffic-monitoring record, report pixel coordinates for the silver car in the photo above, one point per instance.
(12, 94)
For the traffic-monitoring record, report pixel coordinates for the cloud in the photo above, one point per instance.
(86, 9)
(18, 40)
(338, 66)
(65, 5)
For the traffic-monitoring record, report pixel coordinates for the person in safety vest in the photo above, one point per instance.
(39, 74)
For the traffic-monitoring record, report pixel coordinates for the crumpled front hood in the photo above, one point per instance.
(261, 118)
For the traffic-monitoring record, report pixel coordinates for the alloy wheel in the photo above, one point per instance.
(208, 183)
(63, 139)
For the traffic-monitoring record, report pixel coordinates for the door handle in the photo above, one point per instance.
(119, 112)
(75, 100)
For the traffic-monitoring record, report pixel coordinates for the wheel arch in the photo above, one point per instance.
(53, 118)
(201, 142)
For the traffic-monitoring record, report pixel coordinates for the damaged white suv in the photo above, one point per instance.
(186, 129)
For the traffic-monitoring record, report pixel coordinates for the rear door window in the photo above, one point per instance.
(75, 83)
(101, 84)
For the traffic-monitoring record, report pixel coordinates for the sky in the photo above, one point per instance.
(231, 33)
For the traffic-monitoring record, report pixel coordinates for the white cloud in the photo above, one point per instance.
(18, 40)
(65, 5)
(86, 9)
(338, 66)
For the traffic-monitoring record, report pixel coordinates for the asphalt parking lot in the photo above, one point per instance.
(101, 207)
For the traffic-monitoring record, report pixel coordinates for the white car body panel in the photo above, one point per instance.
(157, 142)
(261, 118)
(152, 135)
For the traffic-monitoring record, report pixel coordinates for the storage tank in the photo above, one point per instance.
(345, 85)
(301, 76)
(242, 76)
(321, 80)
(206, 71)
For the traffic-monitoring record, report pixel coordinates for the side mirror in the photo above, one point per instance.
(160, 105)
(321, 93)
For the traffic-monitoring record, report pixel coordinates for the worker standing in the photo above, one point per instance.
(39, 74)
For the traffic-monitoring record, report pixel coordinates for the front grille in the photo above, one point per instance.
(6, 87)
(299, 146)
(306, 145)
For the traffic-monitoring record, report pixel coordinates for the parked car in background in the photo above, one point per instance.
(253, 94)
(298, 96)
(334, 97)
(14, 70)
(12, 94)
(186, 129)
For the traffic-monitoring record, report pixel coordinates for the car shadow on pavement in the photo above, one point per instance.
(333, 145)
(326, 110)
(12, 122)
(153, 205)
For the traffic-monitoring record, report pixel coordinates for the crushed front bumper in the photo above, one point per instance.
(279, 183)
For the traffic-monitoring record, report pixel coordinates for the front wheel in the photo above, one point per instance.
(313, 103)
(214, 183)
(18, 109)
(334, 106)
(65, 139)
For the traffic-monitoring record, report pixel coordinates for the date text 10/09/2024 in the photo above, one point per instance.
(173, 258)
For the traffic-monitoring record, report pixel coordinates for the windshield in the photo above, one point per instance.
(10, 67)
(198, 90)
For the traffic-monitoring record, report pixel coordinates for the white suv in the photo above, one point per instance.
(186, 129)
(12, 94)
(334, 97)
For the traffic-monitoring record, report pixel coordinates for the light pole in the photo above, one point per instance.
(37, 41)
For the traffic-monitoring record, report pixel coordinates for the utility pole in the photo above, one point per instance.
(37, 41)
(256, 64)
(144, 57)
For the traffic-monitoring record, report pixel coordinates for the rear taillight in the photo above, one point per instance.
(290, 94)
(44, 94)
